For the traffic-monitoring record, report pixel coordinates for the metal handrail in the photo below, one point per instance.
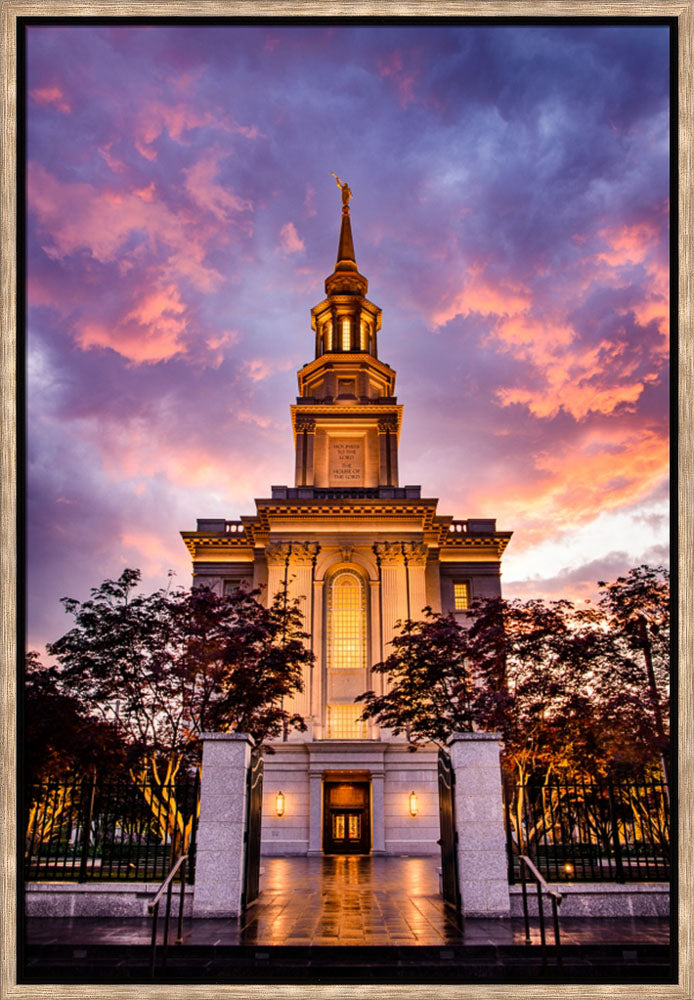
(153, 908)
(555, 898)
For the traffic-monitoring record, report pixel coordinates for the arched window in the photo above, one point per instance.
(364, 343)
(346, 334)
(328, 335)
(346, 632)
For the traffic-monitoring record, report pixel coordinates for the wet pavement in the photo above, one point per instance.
(348, 901)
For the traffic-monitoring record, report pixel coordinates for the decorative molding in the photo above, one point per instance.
(416, 553)
(305, 423)
(304, 553)
(390, 553)
(277, 552)
(298, 553)
(347, 551)
(386, 424)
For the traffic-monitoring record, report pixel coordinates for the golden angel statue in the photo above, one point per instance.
(346, 191)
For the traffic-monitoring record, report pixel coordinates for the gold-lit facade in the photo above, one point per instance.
(360, 552)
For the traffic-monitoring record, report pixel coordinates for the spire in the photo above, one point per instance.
(345, 278)
(346, 260)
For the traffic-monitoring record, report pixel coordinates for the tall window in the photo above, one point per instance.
(328, 335)
(346, 334)
(461, 596)
(343, 723)
(364, 343)
(346, 622)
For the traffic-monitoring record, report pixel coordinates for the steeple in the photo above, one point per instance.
(346, 419)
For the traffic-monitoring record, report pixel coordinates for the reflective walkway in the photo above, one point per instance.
(353, 901)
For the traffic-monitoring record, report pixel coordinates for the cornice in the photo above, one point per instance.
(353, 357)
(366, 409)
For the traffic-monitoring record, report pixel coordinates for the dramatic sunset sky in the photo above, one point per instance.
(510, 211)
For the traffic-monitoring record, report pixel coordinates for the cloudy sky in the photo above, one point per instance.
(510, 211)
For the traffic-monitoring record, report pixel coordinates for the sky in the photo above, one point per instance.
(510, 211)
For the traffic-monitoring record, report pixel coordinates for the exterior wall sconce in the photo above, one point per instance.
(279, 804)
(414, 805)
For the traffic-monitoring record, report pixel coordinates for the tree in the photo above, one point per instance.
(167, 666)
(637, 608)
(560, 682)
(429, 683)
(60, 733)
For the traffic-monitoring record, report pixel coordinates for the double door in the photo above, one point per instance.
(346, 818)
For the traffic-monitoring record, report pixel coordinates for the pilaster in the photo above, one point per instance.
(479, 823)
(221, 837)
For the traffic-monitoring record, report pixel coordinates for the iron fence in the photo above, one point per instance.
(590, 829)
(110, 828)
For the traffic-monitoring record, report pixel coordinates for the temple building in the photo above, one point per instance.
(360, 552)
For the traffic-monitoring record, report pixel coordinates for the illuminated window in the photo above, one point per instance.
(328, 335)
(343, 723)
(346, 335)
(364, 336)
(461, 596)
(346, 622)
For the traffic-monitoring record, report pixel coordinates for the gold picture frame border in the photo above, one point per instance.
(10, 12)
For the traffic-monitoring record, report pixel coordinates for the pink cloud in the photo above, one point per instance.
(210, 196)
(177, 120)
(51, 95)
(391, 67)
(290, 241)
(79, 216)
(154, 554)
(116, 165)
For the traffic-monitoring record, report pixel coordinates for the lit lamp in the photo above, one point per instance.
(279, 804)
(568, 869)
(414, 805)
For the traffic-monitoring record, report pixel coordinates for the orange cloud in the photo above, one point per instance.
(51, 95)
(480, 295)
(628, 244)
(605, 470)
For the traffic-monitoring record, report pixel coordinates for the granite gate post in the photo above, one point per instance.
(479, 823)
(221, 848)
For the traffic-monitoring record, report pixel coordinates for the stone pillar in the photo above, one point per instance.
(300, 465)
(382, 454)
(310, 439)
(221, 848)
(393, 456)
(479, 823)
(378, 813)
(315, 812)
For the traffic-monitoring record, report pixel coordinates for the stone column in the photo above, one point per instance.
(479, 823)
(221, 848)
(377, 813)
(310, 439)
(383, 453)
(315, 812)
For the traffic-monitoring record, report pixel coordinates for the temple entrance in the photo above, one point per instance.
(346, 817)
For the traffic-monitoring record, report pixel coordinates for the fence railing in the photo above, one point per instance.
(94, 827)
(590, 829)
